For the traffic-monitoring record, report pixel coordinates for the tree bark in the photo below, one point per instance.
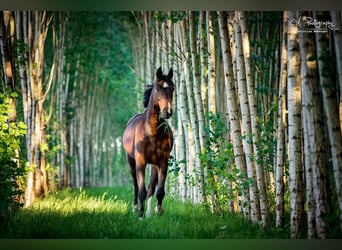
(330, 108)
(245, 119)
(294, 130)
(314, 147)
(336, 20)
(260, 173)
(183, 117)
(211, 63)
(282, 126)
(197, 101)
(232, 106)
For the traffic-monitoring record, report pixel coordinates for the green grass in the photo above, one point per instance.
(106, 213)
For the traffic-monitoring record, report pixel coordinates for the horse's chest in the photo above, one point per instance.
(158, 148)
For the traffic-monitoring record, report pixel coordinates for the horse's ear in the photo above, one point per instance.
(159, 73)
(170, 73)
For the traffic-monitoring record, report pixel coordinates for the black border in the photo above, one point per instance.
(176, 5)
(166, 244)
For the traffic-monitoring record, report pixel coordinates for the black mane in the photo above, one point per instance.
(147, 95)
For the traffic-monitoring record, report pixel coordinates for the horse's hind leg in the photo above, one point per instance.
(151, 188)
(131, 162)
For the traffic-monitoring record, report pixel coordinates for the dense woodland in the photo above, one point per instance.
(258, 108)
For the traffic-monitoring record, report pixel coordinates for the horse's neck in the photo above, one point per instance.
(151, 121)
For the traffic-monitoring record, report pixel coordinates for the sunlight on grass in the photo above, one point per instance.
(69, 202)
(72, 214)
(101, 213)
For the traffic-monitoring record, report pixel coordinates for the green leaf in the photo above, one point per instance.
(14, 94)
(44, 147)
(4, 126)
(22, 125)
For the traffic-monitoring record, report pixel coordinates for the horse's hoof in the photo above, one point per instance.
(135, 208)
(159, 210)
(148, 213)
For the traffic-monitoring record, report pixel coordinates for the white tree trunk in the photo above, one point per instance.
(314, 146)
(294, 130)
(245, 119)
(232, 106)
(211, 63)
(183, 119)
(260, 174)
(281, 146)
(197, 103)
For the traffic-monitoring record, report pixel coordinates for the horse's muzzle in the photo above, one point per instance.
(165, 114)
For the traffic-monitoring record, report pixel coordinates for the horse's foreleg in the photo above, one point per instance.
(131, 162)
(151, 188)
(162, 172)
(140, 173)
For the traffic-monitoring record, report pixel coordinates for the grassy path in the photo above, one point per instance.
(106, 213)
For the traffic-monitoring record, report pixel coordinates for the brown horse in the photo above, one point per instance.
(148, 139)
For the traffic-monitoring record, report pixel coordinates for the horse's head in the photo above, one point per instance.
(163, 91)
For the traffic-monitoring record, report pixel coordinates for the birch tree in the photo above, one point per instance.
(336, 20)
(182, 131)
(281, 128)
(194, 137)
(294, 129)
(7, 29)
(197, 101)
(58, 101)
(202, 48)
(148, 71)
(314, 148)
(245, 118)
(232, 105)
(32, 28)
(259, 168)
(211, 63)
(330, 108)
(6, 48)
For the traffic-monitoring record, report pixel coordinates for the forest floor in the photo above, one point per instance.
(105, 213)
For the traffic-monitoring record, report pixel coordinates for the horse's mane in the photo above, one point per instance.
(147, 94)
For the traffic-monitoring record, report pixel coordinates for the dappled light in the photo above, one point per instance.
(71, 202)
